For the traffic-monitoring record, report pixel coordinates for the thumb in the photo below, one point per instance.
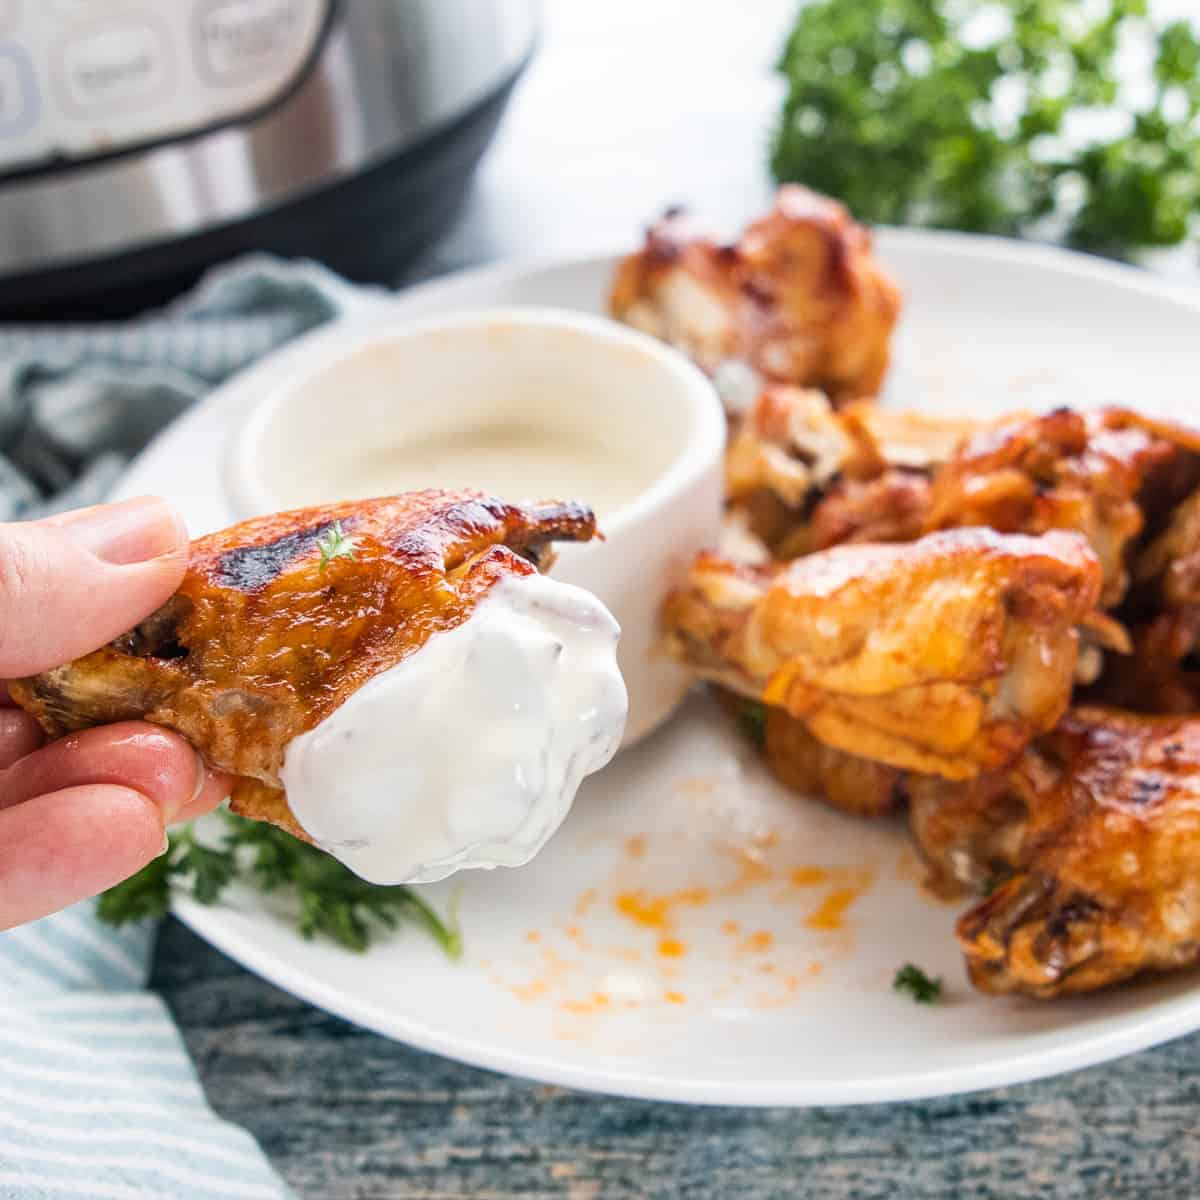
(73, 582)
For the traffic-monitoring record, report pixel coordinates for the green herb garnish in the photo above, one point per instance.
(995, 116)
(332, 901)
(752, 717)
(917, 984)
(989, 883)
(335, 543)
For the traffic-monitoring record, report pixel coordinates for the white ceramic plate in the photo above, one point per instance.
(693, 932)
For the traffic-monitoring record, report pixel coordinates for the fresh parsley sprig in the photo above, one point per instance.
(997, 117)
(331, 900)
(752, 717)
(335, 543)
(917, 984)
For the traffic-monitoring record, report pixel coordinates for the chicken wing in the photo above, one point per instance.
(944, 655)
(1096, 835)
(267, 634)
(799, 298)
(1169, 567)
(808, 476)
(1160, 673)
(847, 782)
(1094, 473)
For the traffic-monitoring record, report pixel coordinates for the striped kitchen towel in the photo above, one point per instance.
(98, 1098)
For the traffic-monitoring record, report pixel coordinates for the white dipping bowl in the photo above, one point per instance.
(567, 375)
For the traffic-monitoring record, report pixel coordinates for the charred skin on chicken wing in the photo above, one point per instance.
(945, 655)
(799, 298)
(266, 636)
(1095, 834)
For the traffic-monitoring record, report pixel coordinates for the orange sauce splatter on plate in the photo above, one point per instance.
(831, 912)
(655, 912)
(808, 876)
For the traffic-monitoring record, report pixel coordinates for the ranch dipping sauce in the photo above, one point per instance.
(515, 462)
(467, 753)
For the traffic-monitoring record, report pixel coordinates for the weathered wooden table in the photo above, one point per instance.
(631, 105)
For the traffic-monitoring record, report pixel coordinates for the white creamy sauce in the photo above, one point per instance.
(513, 462)
(468, 752)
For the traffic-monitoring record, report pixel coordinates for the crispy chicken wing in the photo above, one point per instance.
(889, 508)
(944, 655)
(682, 287)
(1160, 673)
(1094, 473)
(808, 477)
(264, 638)
(1169, 567)
(799, 298)
(848, 782)
(1096, 836)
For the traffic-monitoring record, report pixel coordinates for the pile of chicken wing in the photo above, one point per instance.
(995, 625)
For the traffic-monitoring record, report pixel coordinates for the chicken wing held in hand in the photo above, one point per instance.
(945, 655)
(268, 634)
(1096, 835)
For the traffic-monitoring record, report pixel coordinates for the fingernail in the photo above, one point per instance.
(133, 531)
(166, 846)
(201, 777)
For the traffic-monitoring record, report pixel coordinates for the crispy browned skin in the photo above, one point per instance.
(848, 782)
(1167, 571)
(889, 508)
(1096, 834)
(944, 655)
(799, 297)
(1160, 674)
(1065, 470)
(807, 476)
(260, 642)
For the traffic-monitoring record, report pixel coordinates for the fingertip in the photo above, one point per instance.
(71, 844)
(154, 761)
(214, 787)
(70, 584)
(132, 532)
(20, 735)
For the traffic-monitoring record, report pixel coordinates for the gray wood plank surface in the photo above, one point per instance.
(633, 104)
(348, 1115)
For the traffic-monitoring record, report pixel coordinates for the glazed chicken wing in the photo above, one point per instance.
(1095, 835)
(944, 655)
(1095, 473)
(267, 634)
(1160, 673)
(1169, 567)
(806, 476)
(799, 298)
(847, 782)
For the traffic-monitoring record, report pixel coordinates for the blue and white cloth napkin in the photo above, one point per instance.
(98, 1098)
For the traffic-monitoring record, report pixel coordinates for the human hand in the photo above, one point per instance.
(90, 809)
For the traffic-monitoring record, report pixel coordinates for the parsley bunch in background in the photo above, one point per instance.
(1074, 117)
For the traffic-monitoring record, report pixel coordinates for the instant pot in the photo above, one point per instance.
(141, 141)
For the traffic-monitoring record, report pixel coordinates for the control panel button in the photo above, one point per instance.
(113, 68)
(18, 97)
(239, 38)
